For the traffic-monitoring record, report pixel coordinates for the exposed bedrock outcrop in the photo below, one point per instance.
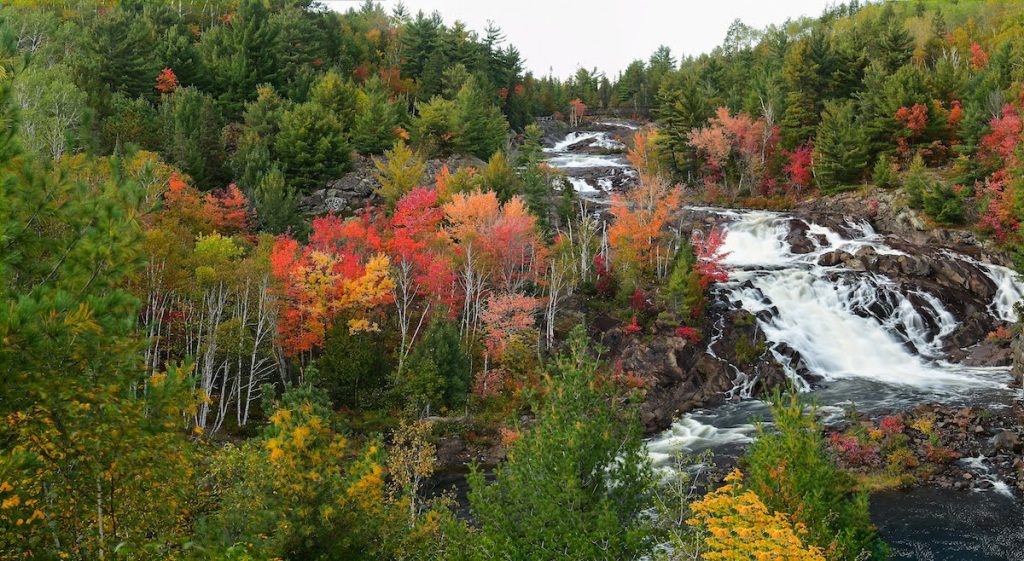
(680, 375)
(352, 191)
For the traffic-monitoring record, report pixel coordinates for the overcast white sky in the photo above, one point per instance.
(562, 35)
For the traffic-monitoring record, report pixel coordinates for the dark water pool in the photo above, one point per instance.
(930, 524)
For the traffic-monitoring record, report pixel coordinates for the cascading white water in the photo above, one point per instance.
(598, 169)
(597, 140)
(828, 314)
(855, 329)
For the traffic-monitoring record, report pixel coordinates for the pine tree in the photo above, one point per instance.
(275, 204)
(338, 96)
(190, 131)
(432, 129)
(398, 172)
(122, 45)
(86, 449)
(353, 368)
(242, 55)
(801, 76)
(682, 107)
(442, 345)
(895, 46)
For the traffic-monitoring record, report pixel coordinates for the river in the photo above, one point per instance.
(859, 332)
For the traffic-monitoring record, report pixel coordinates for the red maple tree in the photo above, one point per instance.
(798, 168)
(166, 81)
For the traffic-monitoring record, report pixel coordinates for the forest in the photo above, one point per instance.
(273, 276)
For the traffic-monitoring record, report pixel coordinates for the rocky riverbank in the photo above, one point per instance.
(958, 448)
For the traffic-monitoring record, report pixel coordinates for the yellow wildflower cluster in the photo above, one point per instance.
(739, 527)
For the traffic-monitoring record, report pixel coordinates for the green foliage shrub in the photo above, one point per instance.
(790, 469)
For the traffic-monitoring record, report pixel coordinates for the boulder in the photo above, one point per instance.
(1006, 441)
(797, 238)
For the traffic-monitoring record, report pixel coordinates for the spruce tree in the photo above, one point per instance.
(338, 96)
(480, 128)
(311, 146)
(840, 147)
(433, 129)
(376, 124)
(802, 99)
(275, 204)
(442, 345)
(190, 131)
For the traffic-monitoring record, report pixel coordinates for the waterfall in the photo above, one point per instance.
(845, 323)
(857, 330)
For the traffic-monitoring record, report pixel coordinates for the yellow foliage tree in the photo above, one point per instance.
(739, 527)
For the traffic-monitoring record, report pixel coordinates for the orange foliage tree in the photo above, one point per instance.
(577, 109)
(495, 246)
(639, 237)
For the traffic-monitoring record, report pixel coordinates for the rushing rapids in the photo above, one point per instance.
(593, 160)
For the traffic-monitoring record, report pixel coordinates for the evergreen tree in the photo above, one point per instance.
(122, 46)
(132, 122)
(353, 368)
(498, 176)
(242, 55)
(338, 96)
(433, 130)
(275, 204)
(801, 76)
(177, 51)
(442, 346)
(190, 134)
(311, 146)
(683, 106)
(684, 290)
(480, 128)
(575, 481)
(376, 125)
(840, 147)
(895, 46)
(790, 470)
(398, 172)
